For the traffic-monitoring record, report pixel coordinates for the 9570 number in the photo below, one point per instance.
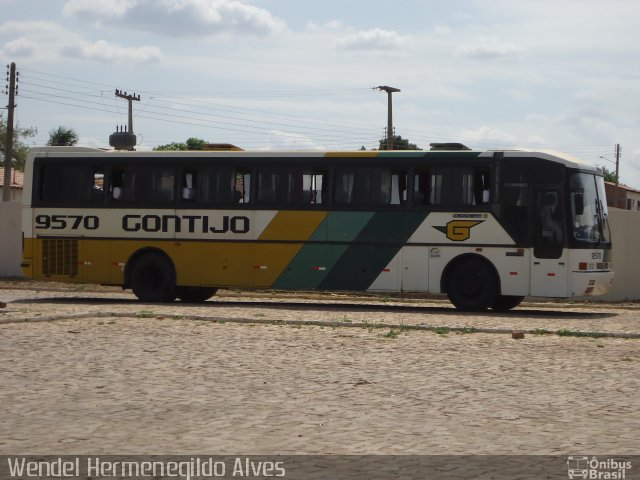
(62, 222)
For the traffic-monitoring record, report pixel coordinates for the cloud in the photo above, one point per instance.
(178, 18)
(332, 25)
(100, 9)
(487, 48)
(374, 39)
(281, 140)
(31, 38)
(20, 47)
(484, 135)
(47, 40)
(442, 30)
(105, 51)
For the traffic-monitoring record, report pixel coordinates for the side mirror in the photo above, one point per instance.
(578, 205)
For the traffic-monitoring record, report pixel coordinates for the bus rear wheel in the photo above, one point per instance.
(472, 285)
(152, 278)
(506, 302)
(195, 294)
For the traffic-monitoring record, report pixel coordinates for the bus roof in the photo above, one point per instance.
(547, 154)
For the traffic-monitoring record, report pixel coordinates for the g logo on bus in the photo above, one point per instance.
(458, 230)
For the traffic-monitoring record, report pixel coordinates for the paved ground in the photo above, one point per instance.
(124, 377)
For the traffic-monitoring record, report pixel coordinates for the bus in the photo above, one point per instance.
(486, 228)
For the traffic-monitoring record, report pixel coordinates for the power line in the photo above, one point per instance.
(187, 119)
(182, 122)
(306, 119)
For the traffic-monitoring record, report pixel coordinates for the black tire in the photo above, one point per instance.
(153, 278)
(472, 285)
(506, 302)
(195, 294)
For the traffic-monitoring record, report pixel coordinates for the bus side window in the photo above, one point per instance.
(551, 230)
(436, 188)
(481, 187)
(381, 181)
(277, 185)
(476, 187)
(313, 184)
(158, 185)
(549, 239)
(189, 185)
(97, 189)
(398, 187)
(66, 184)
(343, 186)
(117, 184)
(242, 186)
(515, 203)
(214, 185)
(369, 186)
(421, 187)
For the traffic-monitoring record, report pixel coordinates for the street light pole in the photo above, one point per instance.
(389, 91)
(617, 162)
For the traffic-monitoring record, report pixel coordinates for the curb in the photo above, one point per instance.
(321, 323)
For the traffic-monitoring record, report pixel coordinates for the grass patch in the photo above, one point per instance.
(540, 331)
(467, 330)
(369, 326)
(145, 314)
(442, 330)
(572, 333)
(391, 334)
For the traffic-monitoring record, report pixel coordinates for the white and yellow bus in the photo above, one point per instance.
(485, 227)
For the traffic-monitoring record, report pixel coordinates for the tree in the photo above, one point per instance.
(609, 176)
(20, 149)
(62, 137)
(192, 143)
(399, 143)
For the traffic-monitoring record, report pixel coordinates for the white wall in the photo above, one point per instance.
(625, 232)
(10, 239)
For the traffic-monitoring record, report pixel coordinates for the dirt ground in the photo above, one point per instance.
(90, 370)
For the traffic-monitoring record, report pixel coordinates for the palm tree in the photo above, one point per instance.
(62, 136)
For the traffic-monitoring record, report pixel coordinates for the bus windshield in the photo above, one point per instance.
(589, 209)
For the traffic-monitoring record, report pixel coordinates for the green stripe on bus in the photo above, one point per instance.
(374, 248)
(315, 260)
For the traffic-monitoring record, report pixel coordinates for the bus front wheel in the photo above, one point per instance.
(472, 285)
(152, 278)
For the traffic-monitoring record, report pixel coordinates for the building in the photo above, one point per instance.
(622, 196)
(17, 183)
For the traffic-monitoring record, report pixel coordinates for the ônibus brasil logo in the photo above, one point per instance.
(595, 468)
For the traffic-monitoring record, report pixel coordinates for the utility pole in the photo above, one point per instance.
(130, 99)
(125, 140)
(8, 144)
(389, 91)
(617, 164)
(618, 175)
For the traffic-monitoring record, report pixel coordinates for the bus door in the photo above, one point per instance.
(549, 259)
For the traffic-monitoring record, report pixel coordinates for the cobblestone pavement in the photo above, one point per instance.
(129, 378)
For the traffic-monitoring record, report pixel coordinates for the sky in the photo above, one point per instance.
(301, 75)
